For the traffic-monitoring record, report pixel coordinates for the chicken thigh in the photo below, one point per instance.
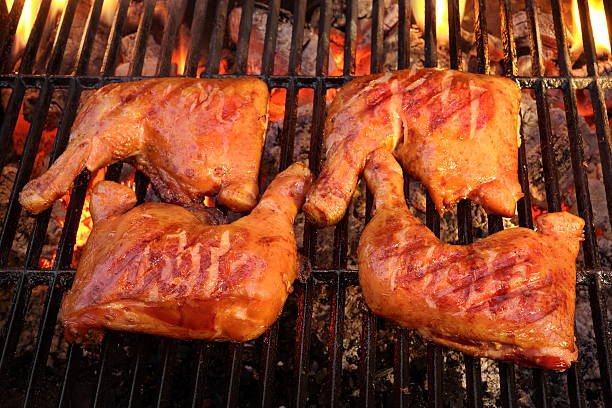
(192, 137)
(456, 132)
(160, 269)
(510, 296)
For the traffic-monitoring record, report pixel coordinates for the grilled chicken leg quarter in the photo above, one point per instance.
(160, 269)
(509, 296)
(192, 137)
(456, 132)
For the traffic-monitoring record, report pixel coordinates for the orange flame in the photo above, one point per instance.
(85, 222)
(277, 104)
(179, 55)
(597, 14)
(418, 11)
(537, 211)
(108, 11)
(28, 16)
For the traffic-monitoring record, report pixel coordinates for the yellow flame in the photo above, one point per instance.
(598, 23)
(179, 55)
(418, 10)
(28, 16)
(108, 11)
(26, 21)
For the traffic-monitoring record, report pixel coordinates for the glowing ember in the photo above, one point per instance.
(223, 66)
(331, 94)
(418, 11)
(47, 263)
(537, 211)
(276, 108)
(598, 23)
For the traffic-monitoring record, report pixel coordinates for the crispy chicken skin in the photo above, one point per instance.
(456, 132)
(159, 269)
(509, 296)
(192, 137)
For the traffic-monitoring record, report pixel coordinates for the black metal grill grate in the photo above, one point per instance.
(138, 370)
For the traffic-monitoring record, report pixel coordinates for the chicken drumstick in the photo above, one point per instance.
(160, 269)
(192, 137)
(456, 132)
(509, 296)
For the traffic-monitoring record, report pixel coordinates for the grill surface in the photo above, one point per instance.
(139, 370)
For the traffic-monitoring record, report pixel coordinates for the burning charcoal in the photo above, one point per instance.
(496, 56)
(160, 16)
(257, 39)
(127, 50)
(74, 41)
(364, 7)
(417, 49)
(598, 202)
(56, 108)
(25, 224)
(338, 19)
(522, 32)
(68, 63)
(560, 142)
(309, 54)
(133, 17)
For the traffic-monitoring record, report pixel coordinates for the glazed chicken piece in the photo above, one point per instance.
(192, 137)
(456, 132)
(509, 296)
(160, 269)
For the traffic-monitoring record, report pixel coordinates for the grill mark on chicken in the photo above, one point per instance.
(431, 120)
(167, 272)
(514, 287)
(177, 131)
(124, 99)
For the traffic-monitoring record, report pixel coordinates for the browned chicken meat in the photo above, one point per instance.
(509, 296)
(160, 269)
(192, 137)
(456, 132)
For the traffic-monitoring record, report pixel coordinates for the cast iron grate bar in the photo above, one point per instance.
(596, 292)
(199, 385)
(435, 353)
(244, 33)
(216, 39)
(110, 56)
(267, 61)
(507, 377)
(169, 39)
(338, 294)
(574, 379)
(197, 32)
(61, 39)
(270, 337)
(291, 99)
(88, 38)
(401, 351)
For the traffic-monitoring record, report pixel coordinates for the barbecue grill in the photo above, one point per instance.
(140, 370)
